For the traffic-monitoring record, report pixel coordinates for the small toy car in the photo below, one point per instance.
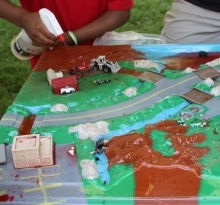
(78, 70)
(67, 90)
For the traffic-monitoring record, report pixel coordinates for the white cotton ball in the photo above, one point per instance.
(215, 91)
(92, 130)
(188, 70)
(89, 169)
(82, 130)
(130, 92)
(59, 108)
(146, 64)
(102, 126)
(214, 62)
(209, 82)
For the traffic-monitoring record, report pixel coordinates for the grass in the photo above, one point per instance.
(90, 96)
(146, 17)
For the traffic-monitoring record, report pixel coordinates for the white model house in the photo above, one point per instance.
(32, 151)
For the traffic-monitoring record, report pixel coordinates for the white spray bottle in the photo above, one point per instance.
(21, 45)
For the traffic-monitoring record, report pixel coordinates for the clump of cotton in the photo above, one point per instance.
(214, 62)
(188, 70)
(146, 64)
(215, 91)
(92, 130)
(59, 108)
(209, 82)
(130, 92)
(89, 169)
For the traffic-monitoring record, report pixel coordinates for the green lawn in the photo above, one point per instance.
(146, 17)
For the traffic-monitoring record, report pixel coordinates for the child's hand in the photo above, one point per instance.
(37, 31)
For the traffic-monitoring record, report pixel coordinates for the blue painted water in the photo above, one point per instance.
(156, 53)
(35, 109)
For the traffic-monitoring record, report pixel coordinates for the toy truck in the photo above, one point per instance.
(67, 90)
(101, 63)
(64, 85)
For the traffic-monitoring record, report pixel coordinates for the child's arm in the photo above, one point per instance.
(30, 22)
(108, 21)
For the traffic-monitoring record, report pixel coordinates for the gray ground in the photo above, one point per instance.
(59, 184)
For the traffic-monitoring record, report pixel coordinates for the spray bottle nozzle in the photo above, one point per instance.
(51, 23)
(61, 37)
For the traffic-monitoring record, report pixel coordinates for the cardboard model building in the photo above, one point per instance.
(52, 75)
(32, 151)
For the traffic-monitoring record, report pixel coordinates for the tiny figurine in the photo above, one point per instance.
(32, 151)
(100, 146)
(101, 63)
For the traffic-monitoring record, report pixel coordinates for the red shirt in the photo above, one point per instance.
(73, 14)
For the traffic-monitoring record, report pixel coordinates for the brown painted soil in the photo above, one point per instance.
(26, 125)
(155, 174)
(63, 57)
(184, 60)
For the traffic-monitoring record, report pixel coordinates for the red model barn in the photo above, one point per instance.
(59, 83)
